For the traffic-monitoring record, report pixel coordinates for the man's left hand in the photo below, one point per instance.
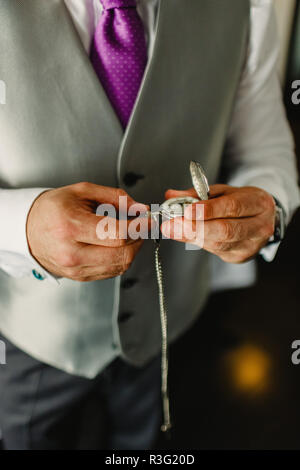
(238, 222)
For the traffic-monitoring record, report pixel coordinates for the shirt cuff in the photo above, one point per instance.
(15, 257)
(268, 183)
(269, 252)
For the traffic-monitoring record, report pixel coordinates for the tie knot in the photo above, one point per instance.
(109, 4)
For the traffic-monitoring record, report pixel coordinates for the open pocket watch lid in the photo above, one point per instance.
(199, 179)
(175, 207)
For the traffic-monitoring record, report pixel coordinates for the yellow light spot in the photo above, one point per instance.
(249, 368)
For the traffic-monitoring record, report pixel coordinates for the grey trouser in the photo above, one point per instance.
(44, 408)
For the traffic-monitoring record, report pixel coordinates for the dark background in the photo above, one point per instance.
(232, 381)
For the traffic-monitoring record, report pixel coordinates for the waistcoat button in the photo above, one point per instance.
(128, 283)
(130, 179)
(123, 317)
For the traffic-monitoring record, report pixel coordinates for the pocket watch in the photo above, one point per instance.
(170, 209)
(174, 207)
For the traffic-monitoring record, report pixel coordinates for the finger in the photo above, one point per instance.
(214, 190)
(221, 230)
(94, 273)
(172, 193)
(102, 194)
(244, 248)
(218, 248)
(237, 230)
(236, 204)
(115, 203)
(106, 231)
(238, 253)
(186, 231)
(93, 256)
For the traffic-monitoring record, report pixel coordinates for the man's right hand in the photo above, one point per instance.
(62, 237)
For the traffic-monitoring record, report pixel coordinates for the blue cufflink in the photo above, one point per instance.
(37, 275)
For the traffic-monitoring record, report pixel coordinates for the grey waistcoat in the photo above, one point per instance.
(58, 128)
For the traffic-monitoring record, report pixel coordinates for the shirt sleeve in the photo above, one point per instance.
(15, 257)
(260, 147)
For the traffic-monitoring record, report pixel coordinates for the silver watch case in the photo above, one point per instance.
(175, 207)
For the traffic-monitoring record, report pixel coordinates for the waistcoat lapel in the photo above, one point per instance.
(64, 125)
(186, 98)
(182, 110)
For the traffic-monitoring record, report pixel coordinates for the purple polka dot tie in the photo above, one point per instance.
(119, 54)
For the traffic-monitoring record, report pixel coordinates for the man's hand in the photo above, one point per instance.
(238, 222)
(62, 235)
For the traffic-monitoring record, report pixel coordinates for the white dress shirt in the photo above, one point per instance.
(260, 148)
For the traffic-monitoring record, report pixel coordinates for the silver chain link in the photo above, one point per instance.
(202, 189)
(164, 340)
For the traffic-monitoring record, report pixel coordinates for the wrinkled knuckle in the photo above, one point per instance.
(118, 270)
(67, 260)
(220, 247)
(239, 231)
(225, 230)
(234, 207)
(82, 186)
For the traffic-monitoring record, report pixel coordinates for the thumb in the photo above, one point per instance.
(107, 195)
(171, 193)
